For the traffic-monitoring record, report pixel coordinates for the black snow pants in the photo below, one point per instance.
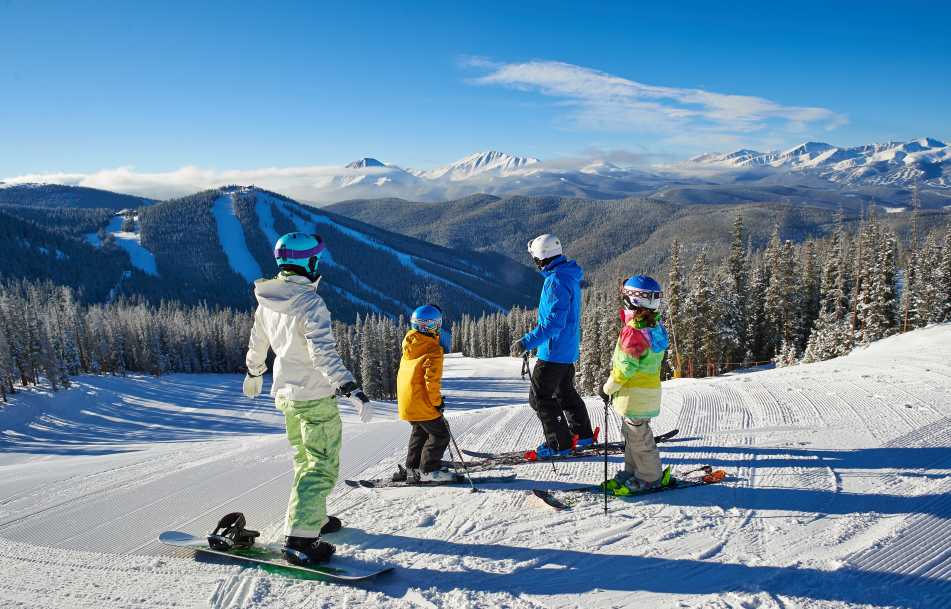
(427, 444)
(559, 407)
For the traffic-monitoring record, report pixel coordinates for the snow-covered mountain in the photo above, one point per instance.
(489, 172)
(491, 162)
(893, 163)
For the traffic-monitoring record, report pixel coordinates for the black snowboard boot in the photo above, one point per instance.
(332, 526)
(306, 551)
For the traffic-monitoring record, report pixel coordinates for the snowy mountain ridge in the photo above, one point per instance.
(491, 161)
(892, 163)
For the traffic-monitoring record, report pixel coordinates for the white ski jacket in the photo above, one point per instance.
(293, 320)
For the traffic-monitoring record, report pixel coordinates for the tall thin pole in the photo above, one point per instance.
(462, 459)
(605, 485)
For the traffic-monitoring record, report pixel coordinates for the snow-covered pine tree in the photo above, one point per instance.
(728, 320)
(943, 280)
(811, 288)
(831, 335)
(370, 359)
(589, 362)
(674, 294)
(877, 313)
(757, 342)
(738, 269)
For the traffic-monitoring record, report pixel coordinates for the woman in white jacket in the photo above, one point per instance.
(293, 321)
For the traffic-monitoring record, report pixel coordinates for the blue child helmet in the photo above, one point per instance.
(299, 252)
(641, 291)
(427, 318)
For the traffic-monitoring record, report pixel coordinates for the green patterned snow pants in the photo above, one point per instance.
(313, 429)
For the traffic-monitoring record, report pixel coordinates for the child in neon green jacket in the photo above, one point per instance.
(634, 385)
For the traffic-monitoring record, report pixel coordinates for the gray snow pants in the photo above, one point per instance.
(641, 457)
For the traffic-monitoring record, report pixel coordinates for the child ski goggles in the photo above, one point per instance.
(426, 325)
(645, 299)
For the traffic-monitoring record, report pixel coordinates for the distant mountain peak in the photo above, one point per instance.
(488, 161)
(365, 162)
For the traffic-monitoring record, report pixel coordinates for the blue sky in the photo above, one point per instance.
(156, 87)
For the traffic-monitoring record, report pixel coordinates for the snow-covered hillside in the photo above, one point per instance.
(839, 496)
(130, 241)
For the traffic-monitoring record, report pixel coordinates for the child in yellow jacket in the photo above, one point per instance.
(419, 397)
(634, 385)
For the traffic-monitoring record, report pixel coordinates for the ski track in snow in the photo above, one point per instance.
(232, 240)
(839, 495)
(131, 242)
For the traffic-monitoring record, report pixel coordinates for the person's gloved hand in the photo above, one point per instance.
(518, 348)
(359, 399)
(252, 385)
(442, 405)
(609, 388)
(604, 396)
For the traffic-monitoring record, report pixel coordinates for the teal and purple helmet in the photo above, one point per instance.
(299, 253)
(426, 319)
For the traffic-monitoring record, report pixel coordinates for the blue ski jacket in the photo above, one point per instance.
(557, 336)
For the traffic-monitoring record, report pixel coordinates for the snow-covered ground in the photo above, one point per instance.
(131, 242)
(232, 240)
(839, 496)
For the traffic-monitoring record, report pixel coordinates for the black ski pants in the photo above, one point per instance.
(427, 444)
(556, 402)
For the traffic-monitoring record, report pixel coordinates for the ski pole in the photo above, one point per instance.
(462, 459)
(606, 402)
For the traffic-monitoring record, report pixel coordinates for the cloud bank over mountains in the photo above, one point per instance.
(594, 100)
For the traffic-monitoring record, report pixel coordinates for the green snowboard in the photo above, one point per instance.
(339, 569)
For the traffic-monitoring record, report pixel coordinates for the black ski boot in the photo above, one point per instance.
(332, 526)
(405, 475)
(307, 551)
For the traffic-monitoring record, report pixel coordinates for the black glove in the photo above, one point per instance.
(517, 348)
(351, 389)
(603, 395)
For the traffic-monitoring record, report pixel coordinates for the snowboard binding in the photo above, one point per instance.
(230, 534)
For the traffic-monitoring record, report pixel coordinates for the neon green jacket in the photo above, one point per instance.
(635, 370)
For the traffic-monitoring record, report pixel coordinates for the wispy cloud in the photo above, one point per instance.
(597, 100)
(309, 183)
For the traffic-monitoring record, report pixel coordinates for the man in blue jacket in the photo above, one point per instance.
(557, 337)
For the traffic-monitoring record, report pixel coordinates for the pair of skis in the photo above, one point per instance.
(408, 482)
(518, 457)
(489, 461)
(682, 480)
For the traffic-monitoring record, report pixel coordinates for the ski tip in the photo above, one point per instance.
(545, 499)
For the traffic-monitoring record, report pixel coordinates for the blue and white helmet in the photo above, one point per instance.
(641, 292)
(426, 319)
(299, 252)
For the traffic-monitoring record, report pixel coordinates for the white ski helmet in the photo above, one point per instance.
(544, 246)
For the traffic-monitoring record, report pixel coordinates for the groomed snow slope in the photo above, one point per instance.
(840, 496)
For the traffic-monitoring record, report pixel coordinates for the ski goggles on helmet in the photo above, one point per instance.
(645, 299)
(426, 325)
